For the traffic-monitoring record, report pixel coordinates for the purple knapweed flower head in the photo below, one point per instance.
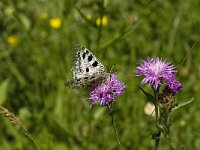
(106, 92)
(173, 86)
(154, 71)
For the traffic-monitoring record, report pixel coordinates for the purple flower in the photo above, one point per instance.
(106, 92)
(174, 86)
(154, 71)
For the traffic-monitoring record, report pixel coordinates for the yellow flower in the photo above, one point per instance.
(13, 40)
(104, 21)
(55, 23)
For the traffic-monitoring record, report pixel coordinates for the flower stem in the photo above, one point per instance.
(15, 120)
(111, 113)
(32, 139)
(99, 35)
(157, 139)
(167, 123)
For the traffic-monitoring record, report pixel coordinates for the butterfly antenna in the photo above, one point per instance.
(112, 70)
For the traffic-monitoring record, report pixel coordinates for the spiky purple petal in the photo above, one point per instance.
(154, 70)
(106, 92)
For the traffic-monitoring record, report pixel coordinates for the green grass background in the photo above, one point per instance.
(33, 73)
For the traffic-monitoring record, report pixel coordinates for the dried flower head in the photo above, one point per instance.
(106, 92)
(154, 70)
(166, 101)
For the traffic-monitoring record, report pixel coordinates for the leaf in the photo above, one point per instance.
(3, 91)
(22, 20)
(149, 96)
(181, 104)
(25, 21)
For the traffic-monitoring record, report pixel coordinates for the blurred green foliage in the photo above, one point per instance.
(35, 62)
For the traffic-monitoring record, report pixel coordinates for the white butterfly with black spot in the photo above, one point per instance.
(87, 69)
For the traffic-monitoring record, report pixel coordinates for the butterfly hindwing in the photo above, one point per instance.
(88, 81)
(87, 69)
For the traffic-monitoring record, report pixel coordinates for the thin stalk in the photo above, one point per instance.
(157, 139)
(165, 120)
(168, 125)
(15, 120)
(171, 146)
(30, 137)
(99, 35)
(84, 16)
(111, 113)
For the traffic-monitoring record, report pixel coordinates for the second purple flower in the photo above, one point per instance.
(154, 71)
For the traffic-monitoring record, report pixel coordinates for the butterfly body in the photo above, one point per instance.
(87, 69)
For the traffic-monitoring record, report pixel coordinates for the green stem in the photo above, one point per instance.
(168, 125)
(34, 142)
(82, 14)
(101, 5)
(157, 139)
(26, 132)
(111, 113)
(171, 146)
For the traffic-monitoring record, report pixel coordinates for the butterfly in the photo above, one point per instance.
(87, 69)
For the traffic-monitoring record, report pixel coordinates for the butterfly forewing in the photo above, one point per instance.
(85, 64)
(87, 69)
